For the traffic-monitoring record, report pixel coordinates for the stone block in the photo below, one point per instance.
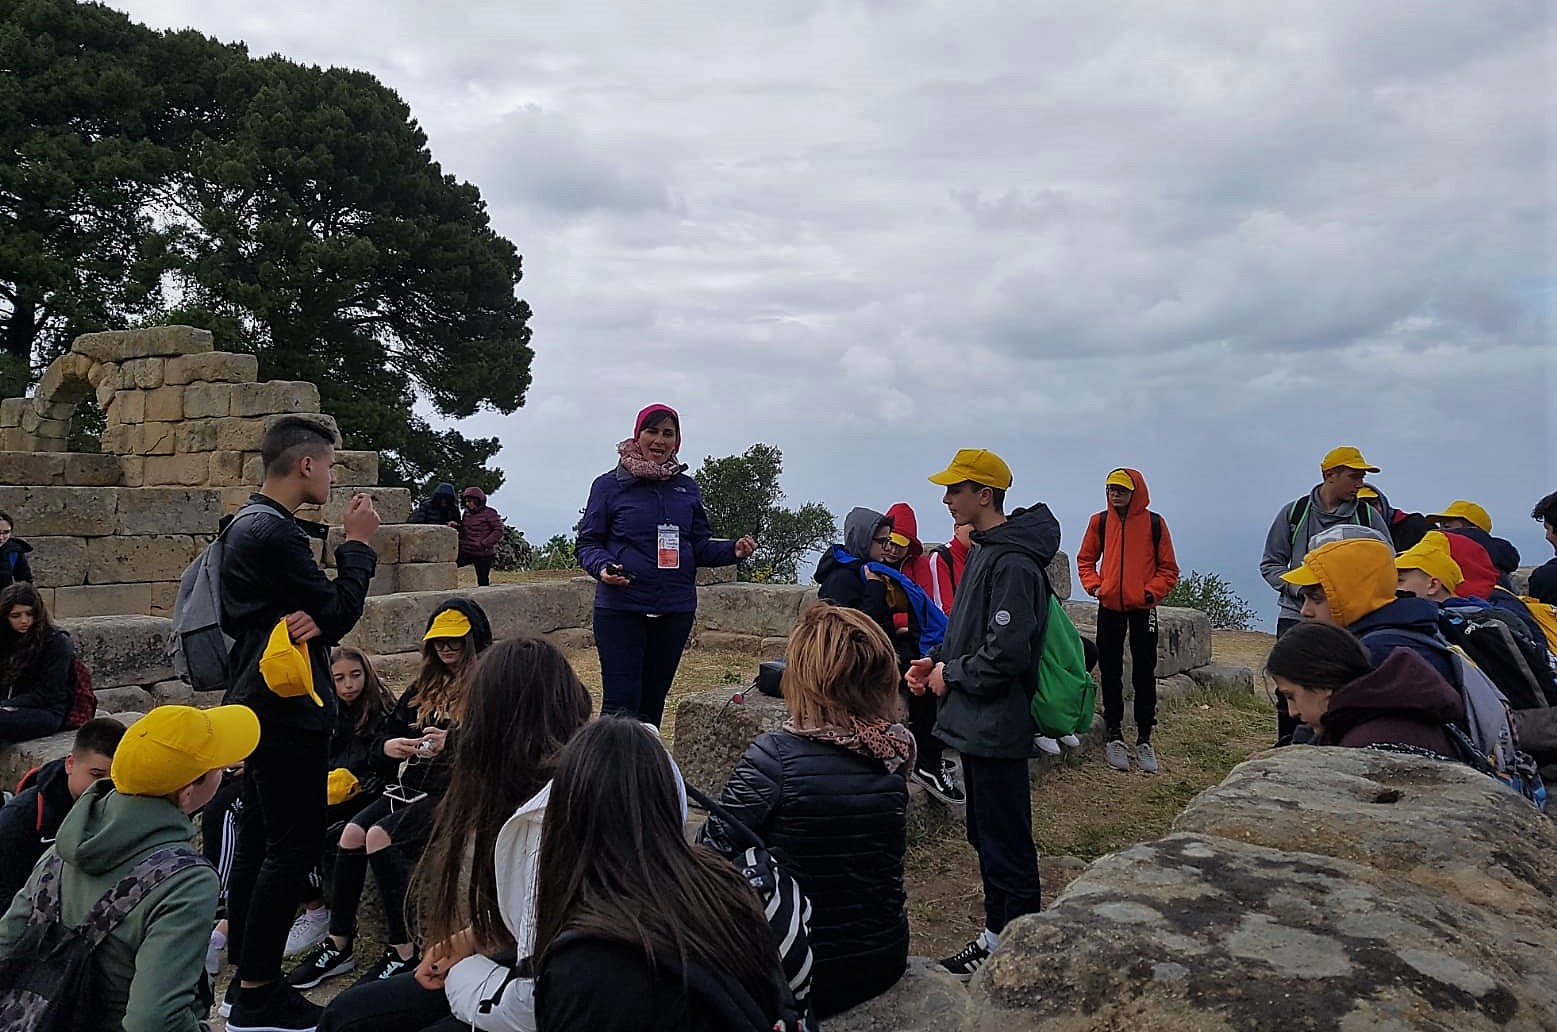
(196, 435)
(396, 623)
(157, 439)
(173, 692)
(134, 469)
(712, 732)
(231, 499)
(1183, 636)
(1224, 677)
(397, 669)
(52, 435)
(239, 435)
(274, 397)
(122, 650)
(102, 600)
(425, 543)
(83, 469)
(165, 341)
(426, 577)
(1059, 574)
(108, 384)
(724, 641)
(165, 593)
(143, 373)
(208, 401)
(386, 543)
(127, 406)
(212, 367)
(226, 470)
(253, 467)
(356, 468)
(28, 467)
(165, 405)
(758, 609)
(62, 383)
(707, 575)
(65, 511)
(13, 438)
(538, 608)
(120, 439)
(31, 420)
(118, 700)
(190, 470)
(139, 559)
(58, 561)
(928, 998)
(393, 505)
(573, 639)
(384, 580)
(18, 758)
(168, 510)
(11, 410)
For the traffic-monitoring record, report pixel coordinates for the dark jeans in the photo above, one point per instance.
(24, 724)
(1286, 723)
(280, 837)
(921, 721)
(1141, 626)
(483, 565)
(639, 655)
(396, 1004)
(1000, 830)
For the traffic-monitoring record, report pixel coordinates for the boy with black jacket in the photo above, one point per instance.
(983, 674)
(270, 575)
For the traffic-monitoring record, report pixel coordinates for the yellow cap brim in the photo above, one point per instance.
(1302, 577)
(451, 623)
(947, 478)
(900, 540)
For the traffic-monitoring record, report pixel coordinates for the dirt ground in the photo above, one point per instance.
(1085, 808)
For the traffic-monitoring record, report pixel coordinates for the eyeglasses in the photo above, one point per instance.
(884, 541)
(449, 645)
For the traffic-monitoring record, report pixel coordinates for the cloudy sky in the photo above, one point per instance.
(1207, 238)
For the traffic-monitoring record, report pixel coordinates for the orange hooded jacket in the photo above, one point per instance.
(1123, 569)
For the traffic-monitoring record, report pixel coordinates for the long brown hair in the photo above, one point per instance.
(368, 709)
(18, 652)
(839, 665)
(615, 865)
(524, 704)
(439, 689)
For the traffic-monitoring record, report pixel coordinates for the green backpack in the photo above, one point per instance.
(1064, 696)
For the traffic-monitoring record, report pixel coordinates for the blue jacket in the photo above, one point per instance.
(621, 525)
(1420, 615)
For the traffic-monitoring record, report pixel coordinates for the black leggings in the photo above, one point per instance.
(397, 1004)
(483, 565)
(408, 826)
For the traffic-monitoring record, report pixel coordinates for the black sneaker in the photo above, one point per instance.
(389, 966)
(324, 961)
(277, 1007)
(965, 963)
(941, 784)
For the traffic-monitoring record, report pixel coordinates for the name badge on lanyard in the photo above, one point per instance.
(670, 546)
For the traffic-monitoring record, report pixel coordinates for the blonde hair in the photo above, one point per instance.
(840, 665)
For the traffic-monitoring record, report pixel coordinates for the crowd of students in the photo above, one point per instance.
(532, 863)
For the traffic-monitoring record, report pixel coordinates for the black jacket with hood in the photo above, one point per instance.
(995, 636)
(46, 683)
(441, 507)
(13, 562)
(269, 572)
(838, 573)
(28, 823)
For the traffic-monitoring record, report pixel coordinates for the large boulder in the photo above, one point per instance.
(1183, 637)
(1314, 889)
(764, 610)
(122, 650)
(928, 998)
(712, 731)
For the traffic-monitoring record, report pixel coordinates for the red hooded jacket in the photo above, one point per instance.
(916, 565)
(1130, 566)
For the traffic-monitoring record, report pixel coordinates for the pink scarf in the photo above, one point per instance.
(892, 744)
(632, 461)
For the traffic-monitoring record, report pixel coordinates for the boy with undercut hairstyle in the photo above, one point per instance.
(31, 819)
(983, 673)
(1543, 580)
(126, 841)
(269, 577)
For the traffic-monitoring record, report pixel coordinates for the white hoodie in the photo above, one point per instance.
(517, 854)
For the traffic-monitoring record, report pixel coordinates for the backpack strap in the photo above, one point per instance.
(749, 839)
(45, 897)
(1102, 533)
(134, 887)
(1295, 517)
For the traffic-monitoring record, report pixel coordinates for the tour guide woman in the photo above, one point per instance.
(643, 536)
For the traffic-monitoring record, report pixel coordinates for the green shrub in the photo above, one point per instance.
(1213, 596)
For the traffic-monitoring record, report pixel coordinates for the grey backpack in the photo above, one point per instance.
(197, 646)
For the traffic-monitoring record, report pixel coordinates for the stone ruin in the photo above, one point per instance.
(113, 531)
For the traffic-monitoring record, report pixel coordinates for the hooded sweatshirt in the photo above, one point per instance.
(995, 636)
(916, 565)
(481, 530)
(1132, 565)
(1285, 548)
(839, 574)
(13, 562)
(146, 974)
(440, 508)
(28, 823)
(1359, 585)
(1403, 702)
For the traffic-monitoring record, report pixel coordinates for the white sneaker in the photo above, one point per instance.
(1048, 745)
(308, 931)
(1070, 741)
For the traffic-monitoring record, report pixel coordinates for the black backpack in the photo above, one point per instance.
(1504, 653)
(46, 978)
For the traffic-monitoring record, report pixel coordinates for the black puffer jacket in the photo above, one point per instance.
(838, 821)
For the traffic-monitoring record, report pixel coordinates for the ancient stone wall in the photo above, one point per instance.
(112, 532)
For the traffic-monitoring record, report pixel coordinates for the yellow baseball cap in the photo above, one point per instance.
(341, 785)
(286, 668)
(979, 465)
(1367, 491)
(451, 623)
(1346, 456)
(174, 745)
(900, 540)
(1119, 478)
(1460, 509)
(1431, 556)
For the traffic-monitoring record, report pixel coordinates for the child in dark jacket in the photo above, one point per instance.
(481, 529)
(13, 554)
(35, 661)
(389, 833)
(830, 789)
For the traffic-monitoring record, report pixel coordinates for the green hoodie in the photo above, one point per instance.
(146, 974)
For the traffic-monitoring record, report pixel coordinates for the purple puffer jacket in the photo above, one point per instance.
(621, 525)
(480, 531)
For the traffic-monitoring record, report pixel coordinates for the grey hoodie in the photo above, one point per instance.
(1284, 549)
(995, 636)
